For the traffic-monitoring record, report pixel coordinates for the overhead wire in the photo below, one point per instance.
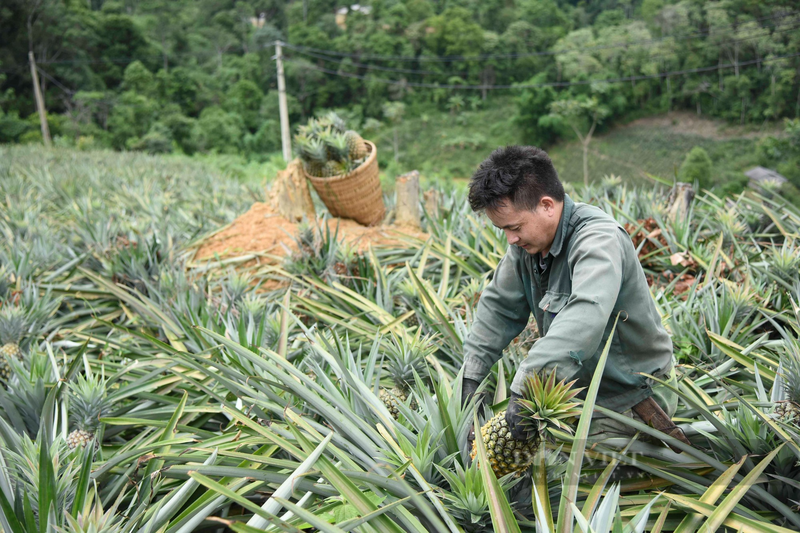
(368, 66)
(549, 84)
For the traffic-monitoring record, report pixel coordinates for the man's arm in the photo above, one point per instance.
(595, 260)
(503, 312)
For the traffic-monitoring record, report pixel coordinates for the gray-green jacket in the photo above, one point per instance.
(592, 273)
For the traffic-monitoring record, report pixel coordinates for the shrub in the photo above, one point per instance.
(696, 168)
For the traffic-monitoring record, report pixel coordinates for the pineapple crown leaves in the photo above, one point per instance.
(791, 376)
(407, 355)
(89, 401)
(14, 324)
(547, 403)
(27, 314)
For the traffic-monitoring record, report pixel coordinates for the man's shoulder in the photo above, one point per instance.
(585, 214)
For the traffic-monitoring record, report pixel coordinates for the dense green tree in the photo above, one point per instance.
(120, 71)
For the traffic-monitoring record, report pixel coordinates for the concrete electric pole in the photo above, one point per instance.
(286, 140)
(37, 92)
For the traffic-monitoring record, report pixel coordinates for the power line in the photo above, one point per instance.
(57, 83)
(549, 84)
(368, 66)
(479, 57)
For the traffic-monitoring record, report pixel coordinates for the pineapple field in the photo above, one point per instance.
(145, 389)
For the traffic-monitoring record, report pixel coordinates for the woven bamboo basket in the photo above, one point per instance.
(356, 195)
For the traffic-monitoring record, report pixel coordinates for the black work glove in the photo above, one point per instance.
(514, 418)
(468, 389)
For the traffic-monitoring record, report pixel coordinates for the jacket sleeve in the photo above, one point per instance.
(503, 313)
(595, 261)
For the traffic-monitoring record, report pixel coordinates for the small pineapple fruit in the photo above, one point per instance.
(546, 404)
(356, 147)
(13, 323)
(88, 404)
(788, 408)
(332, 168)
(406, 355)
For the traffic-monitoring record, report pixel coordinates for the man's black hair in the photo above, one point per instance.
(521, 174)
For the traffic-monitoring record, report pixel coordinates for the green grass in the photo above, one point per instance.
(629, 152)
(445, 147)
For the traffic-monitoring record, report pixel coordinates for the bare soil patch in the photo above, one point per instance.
(688, 123)
(261, 230)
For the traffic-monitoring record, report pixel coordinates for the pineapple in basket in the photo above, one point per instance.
(546, 404)
(405, 356)
(88, 403)
(327, 148)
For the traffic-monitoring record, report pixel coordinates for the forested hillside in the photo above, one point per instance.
(200, 76)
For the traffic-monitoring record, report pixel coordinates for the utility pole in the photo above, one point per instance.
(286, 140)
(37, 91)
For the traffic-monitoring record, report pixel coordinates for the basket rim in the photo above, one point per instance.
(373, 154)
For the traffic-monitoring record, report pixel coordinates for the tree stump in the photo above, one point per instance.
(679, 201)
(289, 194)
(431, 203)
(407, 187)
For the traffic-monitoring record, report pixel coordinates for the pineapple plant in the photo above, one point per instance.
(88, 403)
(406, 357)
(546, 404)
(13, 326)
(787, 406)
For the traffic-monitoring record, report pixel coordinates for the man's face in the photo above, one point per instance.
(533, 231)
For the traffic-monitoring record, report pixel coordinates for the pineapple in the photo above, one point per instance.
(787, 409)
(89, 403)
(318, 156)
(332, 168)
(548, 404)
(356, 147)
(13, 325)
(406, 356)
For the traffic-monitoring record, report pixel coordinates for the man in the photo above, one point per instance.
(576, 269)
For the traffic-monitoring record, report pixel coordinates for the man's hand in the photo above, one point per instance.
(514, 418)
(468, 389)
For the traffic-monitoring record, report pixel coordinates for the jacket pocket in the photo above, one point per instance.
(551, 304)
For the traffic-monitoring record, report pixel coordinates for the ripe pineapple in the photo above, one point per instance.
(406, 356)
(787, 409)
(548, 404)
(88, 404)
(13, 324)
(356, 147)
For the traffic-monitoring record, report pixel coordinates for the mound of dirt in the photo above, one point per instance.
(261, 230)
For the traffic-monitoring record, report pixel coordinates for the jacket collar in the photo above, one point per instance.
(563, 227)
